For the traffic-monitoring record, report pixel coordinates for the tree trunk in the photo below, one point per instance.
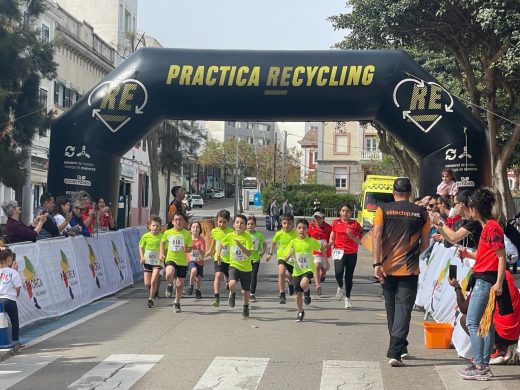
(153, 155)
(167, 194)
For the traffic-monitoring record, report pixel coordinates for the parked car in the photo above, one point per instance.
(216, 193)
(197, 201)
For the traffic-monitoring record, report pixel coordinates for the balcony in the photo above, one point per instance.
(370, 155)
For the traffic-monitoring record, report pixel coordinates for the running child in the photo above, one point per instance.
(196, 259)
(282, 239)
(10, 285)
(302, 249)
(175, 244)
(258, 251)
(149, 246)
(320, 230)
(222, 267)
(240, 246)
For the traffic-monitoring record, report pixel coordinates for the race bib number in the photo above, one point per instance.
(151, 257)
(256, 241)
(176, 243)
(195, 255)
(238, 255)
(224, 251)
(337, 254)
(303, 260)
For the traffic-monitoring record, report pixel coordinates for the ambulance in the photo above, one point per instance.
(375, 191)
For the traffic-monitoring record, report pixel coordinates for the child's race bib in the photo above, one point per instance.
(195, 255)
(337, 254)
(256, 241)
(238, 255)
(303, 260)
(176, 243)
(151, 257)
(224, 251)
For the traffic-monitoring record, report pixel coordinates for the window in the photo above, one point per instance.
(59, 90)
(342, 143)
(46, 34)
(43, 98)
(128, 21)
(341, 178)
(63, 96)
(313, 128)
(371, 143)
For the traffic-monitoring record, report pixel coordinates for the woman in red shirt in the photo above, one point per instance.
(345, 238)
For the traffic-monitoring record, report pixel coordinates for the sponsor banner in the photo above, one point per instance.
(131, 238)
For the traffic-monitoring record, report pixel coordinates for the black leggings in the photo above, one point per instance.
(254, 276)
(11, 309)
(344, 267)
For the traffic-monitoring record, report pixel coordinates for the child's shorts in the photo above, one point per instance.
(200, 268)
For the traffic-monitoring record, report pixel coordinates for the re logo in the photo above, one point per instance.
(422, 103)
(117, 102)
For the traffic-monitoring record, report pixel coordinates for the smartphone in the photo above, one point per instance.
(453, 271)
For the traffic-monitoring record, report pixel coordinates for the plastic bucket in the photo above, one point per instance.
(437, 335)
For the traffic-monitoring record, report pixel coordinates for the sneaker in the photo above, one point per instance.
(348, 303)
(216, 302)
(318, 290)
(198, 294)
(231, 300)
(291, 290)
(245, 311)
(252, 298)
(340, 294)
(190, 290)
(300, 316)
(281, 299)
(472, 372)
(169, 291)
(322, 278)
(404, 353)
(150, 302)
(177, 307)
(395, 363)
(307, 297)
(497, 357)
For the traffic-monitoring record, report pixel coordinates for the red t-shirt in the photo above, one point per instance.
(320, 233)
(491, 239)
(198, 246)
(85, 215)
(508, 326)
(451, 221)
(341, 240)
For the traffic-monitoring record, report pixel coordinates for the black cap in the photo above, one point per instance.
(402, 184)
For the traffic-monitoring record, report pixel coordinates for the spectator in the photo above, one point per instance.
(77, 219)
(105, 217)
(176, 205)
(286, 208)
(448, 185)
(274, 212)
(17, 231)
(49, 229)
(88, 212)
(62, 215)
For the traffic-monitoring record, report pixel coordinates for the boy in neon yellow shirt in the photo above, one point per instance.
(257, 253)
(240, 247)
(300, 249)
(149, 246)
(282, 238)
(221, 268)
(176, 242)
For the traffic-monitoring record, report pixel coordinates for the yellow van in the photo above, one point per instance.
(375, 191)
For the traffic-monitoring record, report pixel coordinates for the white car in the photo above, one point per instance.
(217, 194)
(197, 201)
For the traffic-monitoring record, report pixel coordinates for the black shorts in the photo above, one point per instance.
(243, 276)
(298, 280)
(223, 267)
(288, 266)
(149, 267)
(180, 270)
(200, 268)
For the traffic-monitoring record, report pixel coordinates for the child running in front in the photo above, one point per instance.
(240, 268)
(175, 244)
(10, 285)
(196, 259)
(256, 254)
(301, 249)
(282, 238)
(149, 246)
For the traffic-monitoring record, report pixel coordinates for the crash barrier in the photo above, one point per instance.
(61, 275)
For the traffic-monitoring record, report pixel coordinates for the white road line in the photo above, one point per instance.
(116, 372)
(233, 373)
(17, 368)
(341, 374)
(453, 381)
(72, 324)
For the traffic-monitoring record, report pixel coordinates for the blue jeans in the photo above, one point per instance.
(480, 346)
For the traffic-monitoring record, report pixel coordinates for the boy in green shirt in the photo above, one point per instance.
(176, 242)
(300, 249)
(222, 267)
(149, 246)
(282, 238)
(256, 254)
(240, 247)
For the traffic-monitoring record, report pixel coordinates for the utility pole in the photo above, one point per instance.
(274, 170)
(284, 156)
(237, 176)
(27, 205)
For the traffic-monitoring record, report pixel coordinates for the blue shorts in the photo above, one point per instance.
(200, 268)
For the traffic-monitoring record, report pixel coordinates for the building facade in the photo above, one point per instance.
(309, 146)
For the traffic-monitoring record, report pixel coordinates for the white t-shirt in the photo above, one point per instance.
(9, 282)
(60, 219)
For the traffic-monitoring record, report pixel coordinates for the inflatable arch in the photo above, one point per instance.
(154, 84)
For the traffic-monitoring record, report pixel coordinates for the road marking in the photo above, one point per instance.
(341, 374)
(17, 368)
(72, 324)
(233, 373)
(116, 372)
(453, 381)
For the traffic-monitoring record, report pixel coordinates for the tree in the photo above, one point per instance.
(25, 60)
(472, 44)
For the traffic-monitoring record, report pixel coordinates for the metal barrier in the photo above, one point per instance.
(329, 212)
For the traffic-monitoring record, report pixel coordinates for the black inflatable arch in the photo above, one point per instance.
(152, 85)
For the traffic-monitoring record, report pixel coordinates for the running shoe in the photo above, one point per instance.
(473, 372)
(404, 353)
(231, 300)
(322, 278)
(177, 307)
(245, 311)
(216, 302)
(318, 290)
(307, 297)
(395, 363)
(198, 294)
(190, 289)
(252, 298)
(150, 302)
(282, 300)
(299, 317)
(340, 294)
(169, 291)
(291, 290)
(497, 357)
(348, 303)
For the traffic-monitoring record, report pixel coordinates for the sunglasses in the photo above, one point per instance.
(431, 204)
